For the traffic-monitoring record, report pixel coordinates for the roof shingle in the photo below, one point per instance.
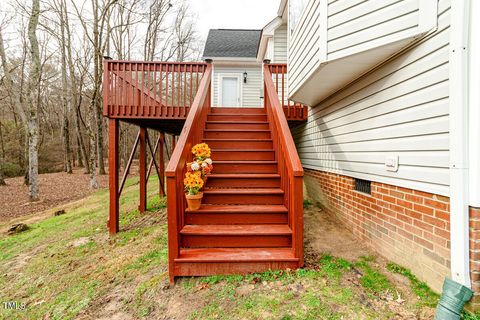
(232, 43)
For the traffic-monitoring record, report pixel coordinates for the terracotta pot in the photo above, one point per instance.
(194, 201)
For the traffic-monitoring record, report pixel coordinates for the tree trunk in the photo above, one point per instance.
(75, 94)
(2, 156)
(33, 102)
(66, 103)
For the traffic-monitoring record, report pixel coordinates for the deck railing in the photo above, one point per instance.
(191, 134)
(278, 74)
(150, 89)
(289, 165)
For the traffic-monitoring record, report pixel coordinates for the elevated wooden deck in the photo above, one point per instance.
(140, 90)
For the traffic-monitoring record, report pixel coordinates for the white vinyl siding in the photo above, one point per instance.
(251, 91)
(366, 22)
(280, 44)
(344, 39)
(304, 45)
(401, 108)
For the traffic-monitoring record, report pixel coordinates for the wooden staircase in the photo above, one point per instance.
(243, 221)
(251, 218)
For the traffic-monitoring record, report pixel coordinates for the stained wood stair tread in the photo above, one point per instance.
(244, 175)
(233, 139)
(205, 208)
(242, 150)
(243, 191)
(246, 161)
(237, 130)
(235, 254)
(235, 122)
(237, 230)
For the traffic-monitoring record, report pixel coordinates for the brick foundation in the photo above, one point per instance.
(475, 256)
(409, 227)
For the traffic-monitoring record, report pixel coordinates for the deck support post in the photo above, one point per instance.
(113, 129)
(161, 163)
(143, 170)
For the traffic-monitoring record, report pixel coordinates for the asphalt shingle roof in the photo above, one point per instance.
(232, 43)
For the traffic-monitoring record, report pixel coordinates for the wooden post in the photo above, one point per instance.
(113, 175)
(143, 170)
(161, 161)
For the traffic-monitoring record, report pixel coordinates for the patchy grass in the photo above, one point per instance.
(67, 267)
(306, 203)
(424, 293)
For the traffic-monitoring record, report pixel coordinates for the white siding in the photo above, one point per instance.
(280, 45)
(304, 46)
(400, 108)
(355, 23)
(251, 91)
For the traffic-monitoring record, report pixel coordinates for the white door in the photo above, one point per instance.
(230, 92)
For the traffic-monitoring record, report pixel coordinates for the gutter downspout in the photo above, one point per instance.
(474, 104)
(459, 195)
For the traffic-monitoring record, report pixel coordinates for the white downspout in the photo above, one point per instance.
(474, 104)
(459, 209)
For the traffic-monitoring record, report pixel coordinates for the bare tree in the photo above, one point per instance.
(33, 101)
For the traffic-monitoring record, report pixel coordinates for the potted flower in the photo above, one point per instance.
(193, 183)
(202, 161)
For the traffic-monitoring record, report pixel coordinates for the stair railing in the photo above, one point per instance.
(289, 165)
(293, 110)
(191, 134)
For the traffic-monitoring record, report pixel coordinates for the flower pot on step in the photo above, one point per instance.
(194, 201)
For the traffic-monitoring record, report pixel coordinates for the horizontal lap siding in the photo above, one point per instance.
(280, 44)
(351, 25)
(401, 108)
(304, 46)
(252, 90)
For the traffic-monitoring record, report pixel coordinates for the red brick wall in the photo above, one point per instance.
(475, 255)
(406, 226)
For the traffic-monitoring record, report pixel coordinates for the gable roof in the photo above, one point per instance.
(232, 43)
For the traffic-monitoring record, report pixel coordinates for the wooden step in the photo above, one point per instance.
(238, 214)
(236, 134)
(239, 117)
(235, 255)
(260, 110)
(243, 180)
(245, 166)
(239, 143)
(234, 236)
(243, 196)
(212, 261)
(246, 154)
(237, 125)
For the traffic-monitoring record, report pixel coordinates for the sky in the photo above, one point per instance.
(233, 14)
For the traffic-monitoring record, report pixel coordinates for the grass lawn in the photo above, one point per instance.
(67, 267)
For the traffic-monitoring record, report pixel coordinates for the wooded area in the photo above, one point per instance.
(51, 55)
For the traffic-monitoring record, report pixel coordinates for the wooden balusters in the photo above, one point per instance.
(150, 89)
(278, 74)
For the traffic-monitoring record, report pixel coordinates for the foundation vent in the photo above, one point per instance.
(363, 186)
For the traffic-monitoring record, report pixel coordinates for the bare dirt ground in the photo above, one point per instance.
(55, 189)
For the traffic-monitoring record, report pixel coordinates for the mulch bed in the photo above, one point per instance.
(55, 189)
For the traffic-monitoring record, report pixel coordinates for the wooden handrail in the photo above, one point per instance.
(293, 110)
(285, 135)
(288, 162)
(191, 134)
